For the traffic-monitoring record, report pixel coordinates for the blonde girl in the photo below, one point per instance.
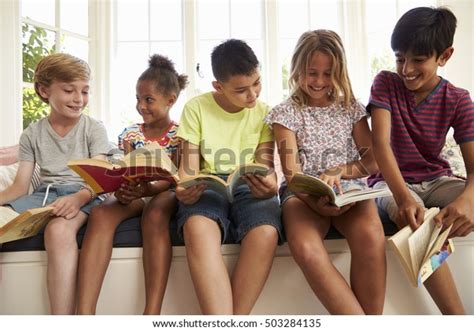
(322, 130)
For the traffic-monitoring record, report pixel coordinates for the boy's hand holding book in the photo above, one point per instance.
(459, 214)
(262, 187)
(411, 213)
(190, 195)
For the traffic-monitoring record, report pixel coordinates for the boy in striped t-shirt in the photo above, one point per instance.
(412, 111)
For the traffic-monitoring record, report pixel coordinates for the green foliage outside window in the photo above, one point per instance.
(36, 45)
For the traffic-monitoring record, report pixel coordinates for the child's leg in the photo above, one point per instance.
(206, 265)
(256, 224)
(61, 247)
(362, 228)
(97, 249)
(441, 285)
(157, 248)
(305, 232)
(442, 289)
(253, 266)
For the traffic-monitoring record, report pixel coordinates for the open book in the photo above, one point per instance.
(302, 183)
(421, 252)
(148, 163)
(14, 226)
(226, 188)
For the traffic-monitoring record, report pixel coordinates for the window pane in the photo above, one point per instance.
(172, 50)
(33, 107)
(131, 61)
(42, 11)
(292, 18)
(324, 15)
(37, 43)
(166, 20)
(379, 31)
(286, 50)
(132, 20)
(75, 46)
(74, 16)
(246, 19)
(213, 19)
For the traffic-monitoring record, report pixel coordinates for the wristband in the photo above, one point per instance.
(91, 192)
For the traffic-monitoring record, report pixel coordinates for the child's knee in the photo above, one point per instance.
(308, 253)
(59, 234)
(155, 219)
(264, 235)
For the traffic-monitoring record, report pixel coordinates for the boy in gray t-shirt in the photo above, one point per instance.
(62, 81)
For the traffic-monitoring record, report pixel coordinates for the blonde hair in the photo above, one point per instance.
(329, 43)
(59, 67)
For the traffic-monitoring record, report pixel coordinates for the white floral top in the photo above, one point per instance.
(323, 134)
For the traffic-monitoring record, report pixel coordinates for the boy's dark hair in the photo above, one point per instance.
(161, 71)
(233, 57)
(424, 31)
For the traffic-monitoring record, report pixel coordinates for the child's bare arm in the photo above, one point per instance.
(189, 166)
(409, 211)
(460, 212)
(20, 185)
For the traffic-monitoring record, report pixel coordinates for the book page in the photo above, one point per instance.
(6, 215)
(420, 239)
(359, 195)
(213, 183)
(151, 155)
(399, 243)
(437, 245)
(301, 183)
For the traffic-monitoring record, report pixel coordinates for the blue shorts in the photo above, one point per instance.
(35, 199)
(238, 217)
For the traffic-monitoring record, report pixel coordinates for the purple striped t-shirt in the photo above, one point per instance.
(418, 132)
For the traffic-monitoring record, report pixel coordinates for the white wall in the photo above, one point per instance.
(10, 73)
(460, 68)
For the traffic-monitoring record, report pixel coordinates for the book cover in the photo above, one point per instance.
(148, 164)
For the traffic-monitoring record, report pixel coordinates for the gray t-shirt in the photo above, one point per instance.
(41, 144)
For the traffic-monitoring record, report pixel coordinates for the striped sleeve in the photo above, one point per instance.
(463, 123)
(380, 92)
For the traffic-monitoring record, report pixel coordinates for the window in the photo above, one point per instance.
(144, 28)
(379, 30)
(296, 17)
(50, 26)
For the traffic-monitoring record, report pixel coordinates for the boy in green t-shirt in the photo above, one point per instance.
(219, 131)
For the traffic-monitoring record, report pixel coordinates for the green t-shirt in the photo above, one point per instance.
(226, 140)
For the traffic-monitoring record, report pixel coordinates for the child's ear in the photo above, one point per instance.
(43, 91)
(445, 56)
(217, 86)
(172, 99)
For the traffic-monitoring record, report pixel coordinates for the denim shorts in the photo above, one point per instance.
(238, 217)
(285, 193)
(35, 199)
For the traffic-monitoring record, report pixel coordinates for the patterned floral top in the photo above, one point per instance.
(323, 135)
(136, 138)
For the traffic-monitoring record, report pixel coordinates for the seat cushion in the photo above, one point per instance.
(128, 234)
